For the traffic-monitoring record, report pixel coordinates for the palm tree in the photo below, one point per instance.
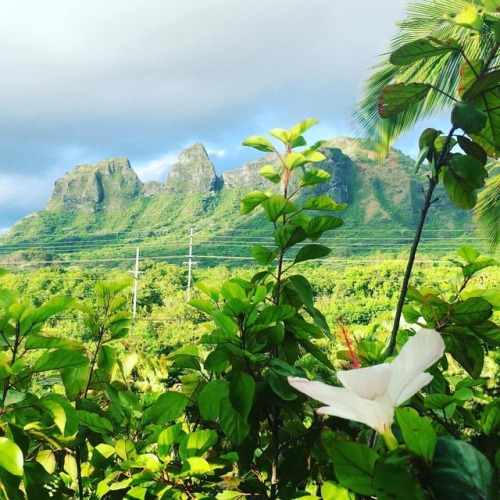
(440, 23)
(423, 18)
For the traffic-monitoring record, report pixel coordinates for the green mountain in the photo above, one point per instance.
(102, 212)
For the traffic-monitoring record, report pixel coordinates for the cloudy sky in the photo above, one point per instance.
(86, 80)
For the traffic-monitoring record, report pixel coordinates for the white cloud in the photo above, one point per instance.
(84, 81)
(156, 169)
(218, 153)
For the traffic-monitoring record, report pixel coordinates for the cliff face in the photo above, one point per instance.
(109, 185)
(108, 196)
(193, 173)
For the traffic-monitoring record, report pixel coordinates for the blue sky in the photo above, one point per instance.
(87, 80)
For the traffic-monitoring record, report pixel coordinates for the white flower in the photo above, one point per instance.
(370, 394)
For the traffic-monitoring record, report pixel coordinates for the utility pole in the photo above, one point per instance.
(136, 281)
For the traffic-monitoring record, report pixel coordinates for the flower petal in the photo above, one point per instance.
(413, 387)
(419, 353)
(346, 404)
(369, 383)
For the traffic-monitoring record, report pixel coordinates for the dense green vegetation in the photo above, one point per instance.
(219, 398)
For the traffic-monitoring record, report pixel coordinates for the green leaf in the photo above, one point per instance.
(231, 289)
(354, 465)
(329, 489)
(125, 449)
(469, 352)
(34, 341)
(418, 433)
(438, 401)
(280, 134)
(218, 360)
(62, 358)
(304, 289)
(252, 200)
(399, 97)
(459, 190)
(167, 408)
(309, 252)
(210, 398)
(473, 149)
(232, 423)
(241, 393)
(297, 130)
(260, 143)
(106, 358)
(202, 305)
(481, 263)
(469, 169)
(37, 479)
(75, 380)
(262, 255)
(269, 173)
(460, 471)
(276, 206)
(11, 457)
(420, 49)
(94, 422)
(197, 443)
(225, 323)
(287, 236)
(294, 160)
(194, 466)
(272, 314)
(471, 311)
(279, 384)
(323, 203)
(468, 17)
(210, 291)
(490, 417)
(318, 225)
(53, 306)
(169, 436)
(468, 253)
(489, 137)
(394, 475)
(314, 176)
(482, 84)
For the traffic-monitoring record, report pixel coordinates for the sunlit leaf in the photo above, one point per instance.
(276, 206)
(309, 252)
(323, 203)
(252, 200)
(260, 143)
(399, 97)
(420, 49)
(269, 173)
(11, 457)
(418, 433)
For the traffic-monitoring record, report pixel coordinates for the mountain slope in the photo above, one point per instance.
(101, 211)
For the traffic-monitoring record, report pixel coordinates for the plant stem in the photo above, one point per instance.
(78, 459)
(411, 261)
(433, 181)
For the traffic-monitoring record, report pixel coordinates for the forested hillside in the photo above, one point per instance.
(103, 211)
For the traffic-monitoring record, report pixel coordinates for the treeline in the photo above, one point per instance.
(364, 295)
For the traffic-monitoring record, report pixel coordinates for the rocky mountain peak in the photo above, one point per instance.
(193, 173)
(107, 184)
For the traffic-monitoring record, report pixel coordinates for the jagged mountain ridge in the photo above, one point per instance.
(93, 201)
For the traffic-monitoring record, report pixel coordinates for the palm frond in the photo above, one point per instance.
(423, 18)
(487, 211)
